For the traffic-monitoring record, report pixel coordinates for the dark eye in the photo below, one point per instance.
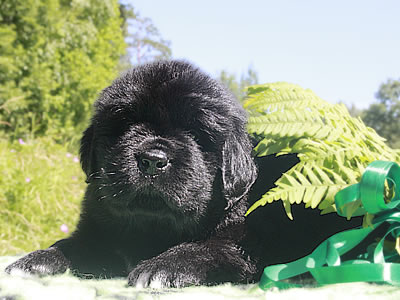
(204, 140)
(195, 134)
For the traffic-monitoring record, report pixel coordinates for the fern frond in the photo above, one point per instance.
(277, 96)
(333, 147)
(289, 122)
(304, 183)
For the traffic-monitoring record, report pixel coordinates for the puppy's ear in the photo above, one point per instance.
(238, 168)
(86, 151)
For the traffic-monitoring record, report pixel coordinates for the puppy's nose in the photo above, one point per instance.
(153, 162)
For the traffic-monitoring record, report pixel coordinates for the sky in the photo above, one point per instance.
(343, 50)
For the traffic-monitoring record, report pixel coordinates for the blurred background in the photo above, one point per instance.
(57, 55)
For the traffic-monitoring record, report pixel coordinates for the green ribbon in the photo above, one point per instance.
(378, 193)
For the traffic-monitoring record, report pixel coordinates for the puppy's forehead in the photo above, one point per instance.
(170, 92)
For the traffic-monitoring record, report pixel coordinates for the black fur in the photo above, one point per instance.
(169, 169)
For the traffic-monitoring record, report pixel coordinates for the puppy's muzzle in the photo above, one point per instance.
(153, 162)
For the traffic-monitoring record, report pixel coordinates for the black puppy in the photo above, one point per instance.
(169, 169)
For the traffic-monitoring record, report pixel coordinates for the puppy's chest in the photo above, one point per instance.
(136, 246)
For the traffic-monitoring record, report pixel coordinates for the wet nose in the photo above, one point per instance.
(153, 162)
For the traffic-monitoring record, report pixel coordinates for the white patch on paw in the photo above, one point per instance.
(20, 273)
(142, 280)
(160, 281)
(156, 284)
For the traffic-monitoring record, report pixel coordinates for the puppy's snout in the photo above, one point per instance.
(153, 162)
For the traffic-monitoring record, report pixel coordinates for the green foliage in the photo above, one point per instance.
(41, 186)
(145, 42)
(384, 116)
(238, 87)
(389, 92)
(333, 147)
(56, 56)
(354, 110)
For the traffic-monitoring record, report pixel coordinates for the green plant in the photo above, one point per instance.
(333, 147)
(55, 57)
(384, 115)
(41, 187)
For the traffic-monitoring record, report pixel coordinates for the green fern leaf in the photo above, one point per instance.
(333, 147)
(277, 96)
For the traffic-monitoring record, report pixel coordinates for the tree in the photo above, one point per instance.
(384, 116)
(389, 92)
(55, 57)
(142, 36)
(353, 110)
(238, 87)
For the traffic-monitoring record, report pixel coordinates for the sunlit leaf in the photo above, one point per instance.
(333, 147)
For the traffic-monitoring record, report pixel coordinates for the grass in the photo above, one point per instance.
(41, 187)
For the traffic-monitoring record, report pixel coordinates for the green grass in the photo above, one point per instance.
(41, 187)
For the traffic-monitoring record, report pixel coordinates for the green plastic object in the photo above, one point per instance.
(379, 194)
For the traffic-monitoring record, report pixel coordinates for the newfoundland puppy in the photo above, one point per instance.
(169, 172)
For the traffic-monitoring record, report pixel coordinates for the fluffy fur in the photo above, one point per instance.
(169, 170)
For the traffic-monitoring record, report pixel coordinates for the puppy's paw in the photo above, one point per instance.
(159, 273)
(41, 262)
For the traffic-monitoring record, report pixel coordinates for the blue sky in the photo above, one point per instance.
(343, 50)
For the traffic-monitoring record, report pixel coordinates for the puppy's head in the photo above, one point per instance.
(166, 141)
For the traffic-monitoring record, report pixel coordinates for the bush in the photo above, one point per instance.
(55, 57)
(41, 187)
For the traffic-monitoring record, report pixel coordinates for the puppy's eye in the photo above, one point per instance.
(195, 134)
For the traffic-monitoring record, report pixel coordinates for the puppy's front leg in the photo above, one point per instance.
(43, 262)
(85, 257)
(208, 262)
